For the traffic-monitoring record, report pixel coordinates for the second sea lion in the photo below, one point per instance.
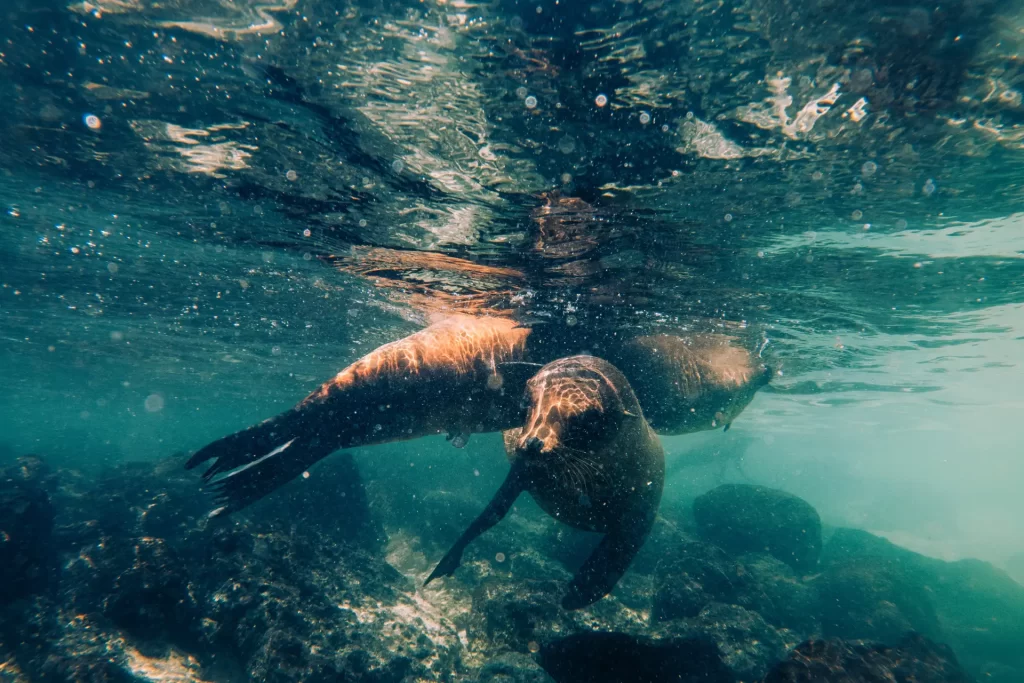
(588, 457)
(690, 384)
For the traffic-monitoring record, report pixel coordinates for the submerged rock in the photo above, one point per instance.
(27, 561)
(513, 668)
(742, 518)
(748, 645)
(971, 605)
(600, 657)
(914, 660)
(874, 600)
(697, 574)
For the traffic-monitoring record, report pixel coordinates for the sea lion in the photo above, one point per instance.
(588, 457)
(690, 384)
(449, 377)
(465, 374)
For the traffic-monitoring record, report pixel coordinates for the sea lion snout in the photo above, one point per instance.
(531, 447)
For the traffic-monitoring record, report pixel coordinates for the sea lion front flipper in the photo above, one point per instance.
(609, 561)
(495, 511)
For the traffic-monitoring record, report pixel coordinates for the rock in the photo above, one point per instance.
(27, 559)
(769, 587)
(980, 608)
(153, 598)
(513, 668)
(696, 575)
(874, 600)
(598, 657)
(749, 647)
(702, 574)
(915, 660)
(742, 518)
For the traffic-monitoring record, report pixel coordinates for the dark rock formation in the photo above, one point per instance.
(600, 657)
(742, 518)
(971, 605)
(749, 646)
(874, 600)
(695, 575)
(26, 529)
(914, 660)
(513, 668)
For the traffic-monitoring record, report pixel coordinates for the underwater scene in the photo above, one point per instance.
(507, 341)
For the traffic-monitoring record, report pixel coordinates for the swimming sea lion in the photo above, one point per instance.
(462, 375)
(448, 377)
(690, 384)
(588, 457)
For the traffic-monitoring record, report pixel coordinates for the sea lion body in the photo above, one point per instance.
(596, 457)
(445, 378)
(588, 457)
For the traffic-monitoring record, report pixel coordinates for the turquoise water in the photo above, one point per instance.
(208, 209)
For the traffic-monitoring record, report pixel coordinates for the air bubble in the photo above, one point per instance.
(868, 169)
(362, 222)
(728, 218)
(292, 176)
(645, 118)
(521, 92)
(530, 102)
(154, 403)
(566, 178)
(307, 232)
(92, 121)
(929, 188)
(499, 557)
(276, 351)
(397, 165)
(112, 268)
(601, 100)
(857, 214)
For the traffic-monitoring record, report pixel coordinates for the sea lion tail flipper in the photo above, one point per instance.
(495, 511)
(255, 461)
(609, 561)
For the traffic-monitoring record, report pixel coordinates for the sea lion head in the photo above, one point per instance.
(573, 406)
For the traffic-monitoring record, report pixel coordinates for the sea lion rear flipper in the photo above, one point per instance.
(609, 561)
(495, 511)
(257, 460)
